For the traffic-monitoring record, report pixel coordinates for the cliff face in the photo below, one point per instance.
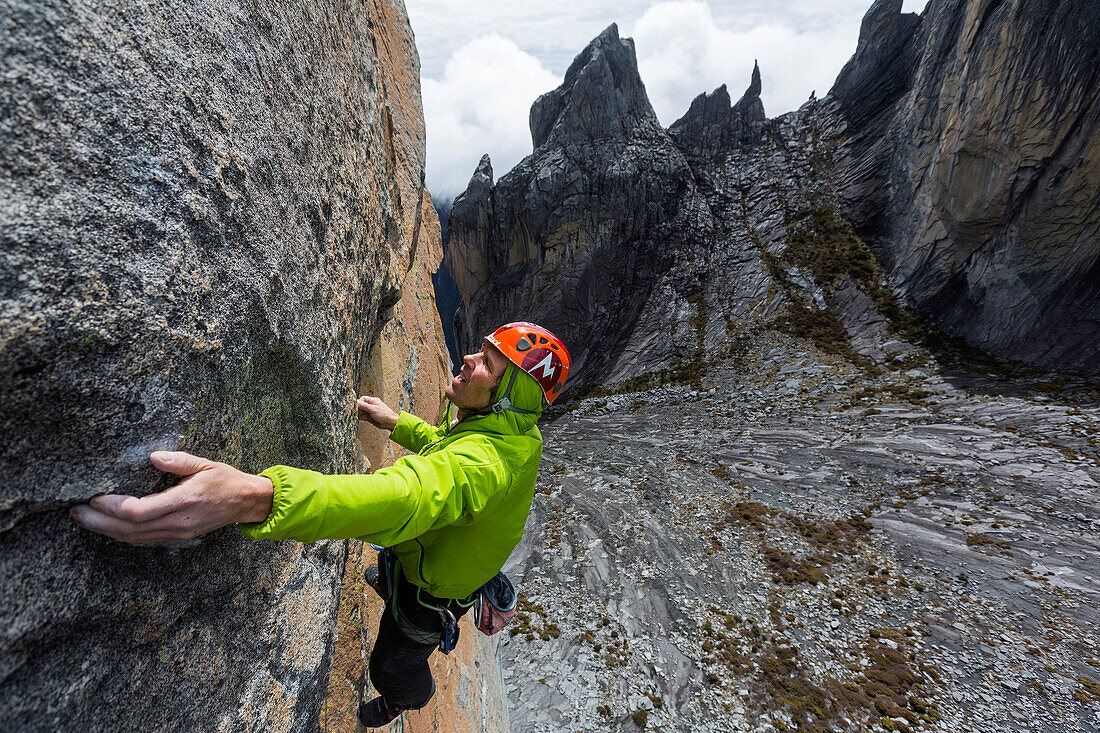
(207, 214)
(967, 166)
(973, 170)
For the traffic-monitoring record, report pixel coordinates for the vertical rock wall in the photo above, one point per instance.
(409, 370)
(206, 213)
(972, 165)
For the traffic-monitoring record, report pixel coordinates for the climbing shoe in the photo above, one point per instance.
(378, 712)
(377, 582)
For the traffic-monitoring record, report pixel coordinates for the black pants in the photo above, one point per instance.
(398, 665)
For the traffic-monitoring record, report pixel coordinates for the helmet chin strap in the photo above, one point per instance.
(504, 403)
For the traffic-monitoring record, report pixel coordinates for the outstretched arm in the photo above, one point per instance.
(212, 496)
(390, 506)
(394, 504)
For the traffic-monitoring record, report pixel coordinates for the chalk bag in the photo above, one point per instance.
(495, 604)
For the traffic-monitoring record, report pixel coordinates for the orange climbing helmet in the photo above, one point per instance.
(536, 351)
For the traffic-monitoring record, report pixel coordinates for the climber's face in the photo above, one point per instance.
(477, 381)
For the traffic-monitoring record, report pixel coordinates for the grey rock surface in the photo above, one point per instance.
(797, 544)
(971, 167)
(881, 70)
(205, 213)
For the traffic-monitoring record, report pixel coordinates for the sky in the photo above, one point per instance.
(483, 63)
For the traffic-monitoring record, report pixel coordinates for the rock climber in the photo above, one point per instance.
(449, 515)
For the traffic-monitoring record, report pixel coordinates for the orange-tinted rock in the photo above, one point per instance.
(409, 370)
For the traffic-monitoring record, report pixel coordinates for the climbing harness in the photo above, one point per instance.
(494, 605)
(447, 637)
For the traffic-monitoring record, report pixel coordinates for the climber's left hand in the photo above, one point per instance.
(212, 496)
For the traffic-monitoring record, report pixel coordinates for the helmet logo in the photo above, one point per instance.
(542, 364)
(546, 365)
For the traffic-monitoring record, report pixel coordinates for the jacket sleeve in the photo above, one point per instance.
(412, 433)
(390, 506)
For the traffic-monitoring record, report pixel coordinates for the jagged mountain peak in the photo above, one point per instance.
(710, 105)
(753, 92)
(481, 182)
(593, 208)
(712, 123)
(484, 167)
(466, 258)
(882, 24)
(750, 109)
(882, 66)
(602, 96)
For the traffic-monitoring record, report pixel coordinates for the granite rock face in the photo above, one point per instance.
(973, 169)
(207, 214)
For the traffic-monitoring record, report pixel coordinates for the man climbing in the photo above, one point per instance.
(451, 513)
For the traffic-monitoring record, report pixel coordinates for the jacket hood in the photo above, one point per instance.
(526, 395)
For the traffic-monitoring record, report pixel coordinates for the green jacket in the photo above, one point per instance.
(453, 511)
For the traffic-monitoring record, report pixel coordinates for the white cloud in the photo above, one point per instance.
(682, 52)
(478, 87)
(480, 106)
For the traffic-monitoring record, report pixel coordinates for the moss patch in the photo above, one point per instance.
(826, 245)
(977, 540)
(786, 682)
(820, 326)
(531, 620)
(890, 686)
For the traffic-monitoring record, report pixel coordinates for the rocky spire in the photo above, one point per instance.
(711, 125)
(601, 98)
(749, 110)
(469, 230)
(753, 92)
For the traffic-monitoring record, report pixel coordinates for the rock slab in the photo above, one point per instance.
(206, 213)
